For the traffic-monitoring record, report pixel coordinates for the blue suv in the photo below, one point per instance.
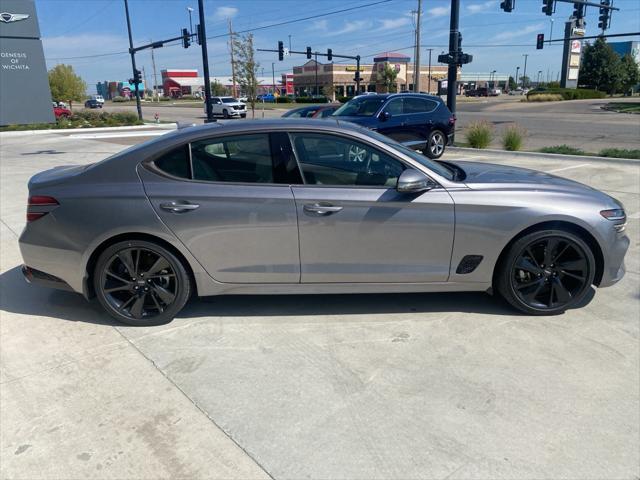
(419, 121)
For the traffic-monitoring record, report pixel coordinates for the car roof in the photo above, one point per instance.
(401, 94)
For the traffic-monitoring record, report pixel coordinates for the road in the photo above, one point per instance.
(578, 123)
(330, 386)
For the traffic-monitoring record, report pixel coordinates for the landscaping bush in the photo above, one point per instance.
(569, 93)
(312, 100)
(119, 99)
(164, 99)
(84, 119)
(284, 100)
(479, 134)
(620, 153)
(189, 97)
(563, 150)
(544, 97)
(513, 137)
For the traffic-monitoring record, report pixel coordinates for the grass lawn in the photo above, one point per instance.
(627, 107)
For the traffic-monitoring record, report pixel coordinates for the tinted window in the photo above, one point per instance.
(229, 100)
(418, 105)
(360, 107)
(327, 112)
(333, 160)
(394, 107)
(240, 158)
(175, 162)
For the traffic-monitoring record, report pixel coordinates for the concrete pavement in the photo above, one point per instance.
(353, 387)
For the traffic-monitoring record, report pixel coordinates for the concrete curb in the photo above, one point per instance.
(146, 126)
(548, 156)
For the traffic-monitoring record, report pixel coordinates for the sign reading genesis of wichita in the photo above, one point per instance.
(24, 86)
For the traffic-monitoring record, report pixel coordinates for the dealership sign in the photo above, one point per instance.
(22, 66)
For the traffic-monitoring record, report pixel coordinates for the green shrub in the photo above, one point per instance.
(620, 153)
(569, 93)
(189, 97)
(164, 99)
(563, 150)
(284, 100)
(119, 99)
(544, 97)
(479, 134)
(312, 99)
(513, 137)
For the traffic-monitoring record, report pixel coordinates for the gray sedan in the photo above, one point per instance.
(301, 206)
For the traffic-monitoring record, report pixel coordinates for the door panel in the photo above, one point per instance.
(374, 234)
(239, 233)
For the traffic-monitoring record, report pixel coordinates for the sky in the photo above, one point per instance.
(91, 35)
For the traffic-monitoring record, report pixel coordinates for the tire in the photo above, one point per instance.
(530, 285)
(436, 144)
(225, 113)
(164, 292)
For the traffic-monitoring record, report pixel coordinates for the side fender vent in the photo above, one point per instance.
(468, 264)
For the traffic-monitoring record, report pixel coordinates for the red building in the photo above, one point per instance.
(177, 83)
(286, 88)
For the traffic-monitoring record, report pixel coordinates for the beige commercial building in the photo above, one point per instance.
(312, 78)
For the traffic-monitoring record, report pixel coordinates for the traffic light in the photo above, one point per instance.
(280, 51)
(199, 34)
(547, 7)
(329, 54)
(604, 19)
(309, 52)
(578, 10)
(508, 5)
(137, 77)
(459, 42)
(186, 38)
(357, 77)
(540, 41)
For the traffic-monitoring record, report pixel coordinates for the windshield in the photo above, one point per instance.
(441, 169)
(229, 100)
(360, 107)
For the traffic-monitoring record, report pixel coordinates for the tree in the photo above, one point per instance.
(525, 81)
(512, 83)
(218, 89)
(329, 91)
(630, 73)
(389, 75)
(246, 67)
(601, 67)
(65, 85)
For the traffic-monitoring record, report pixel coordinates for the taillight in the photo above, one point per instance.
(39, 202)
(452, 120)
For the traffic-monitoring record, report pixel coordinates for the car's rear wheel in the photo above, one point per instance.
(141, 283)
(436, 143)
(546, 272)
(225, 113)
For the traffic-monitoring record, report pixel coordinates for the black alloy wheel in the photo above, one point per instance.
(141, 283)
(547, 272)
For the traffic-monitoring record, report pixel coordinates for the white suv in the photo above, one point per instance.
(98, 98)
(228, 107)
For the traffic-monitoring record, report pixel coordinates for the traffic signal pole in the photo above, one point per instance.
(452, 74)
(202, 36)
(132, 51)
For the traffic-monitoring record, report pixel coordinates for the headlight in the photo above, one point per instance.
(614, 215)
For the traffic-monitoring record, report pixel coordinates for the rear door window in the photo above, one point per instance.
(419, 105)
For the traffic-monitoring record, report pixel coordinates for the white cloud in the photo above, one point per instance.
(354, 26)
(319, 25)
(518, 33)
(438, 11)
(390, 24)
(226, 12)
(481, 7)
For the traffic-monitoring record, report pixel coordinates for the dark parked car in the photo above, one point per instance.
(422, 122)
(313, 111)
(92, 103)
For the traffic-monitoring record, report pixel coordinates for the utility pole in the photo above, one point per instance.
(452, 74)
(416, 68)
(144, 76)
(524, 73)
(429, 79)
(289, 42)
(189, 9)
(273, 76)
(315, 55)
(233, 63)
(133, 60)
(517, 78)
(202, 35)
(155, 74)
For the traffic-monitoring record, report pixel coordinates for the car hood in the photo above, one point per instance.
(234, 103)
(485, 175)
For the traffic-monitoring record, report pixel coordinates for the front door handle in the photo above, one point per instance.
(321, 208)
(179, 206)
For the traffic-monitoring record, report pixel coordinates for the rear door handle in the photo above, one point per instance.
(179, 206)
(321, 208)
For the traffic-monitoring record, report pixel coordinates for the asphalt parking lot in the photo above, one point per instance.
(356, 387)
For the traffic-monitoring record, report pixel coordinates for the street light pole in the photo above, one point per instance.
(189, 9)
(524, 73)
(452, 73)
(289, 42)
(517, 79)
(551, 30)
(416, 73)
(205, 63)
(429, 79)
(133, 61)
(316, 61)
(273, 77)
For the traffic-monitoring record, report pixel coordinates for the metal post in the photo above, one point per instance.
(416, 73)
(234, 94)
(133, 60)
(358, 74)
(273, 77)
(289, 42)
(315, 56)
(524, 73)
(429, 78)
(452, 74)
(189, 9)
(205, 63)
(155, 74)
(517, 72)
(551, 30)
(568, 28)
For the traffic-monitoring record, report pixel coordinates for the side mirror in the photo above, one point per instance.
(413, 181)
(384, 116)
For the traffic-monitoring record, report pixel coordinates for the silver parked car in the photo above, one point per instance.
(301, 206)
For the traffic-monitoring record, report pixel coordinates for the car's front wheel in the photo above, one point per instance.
(141, 283)
(546, 272)
(225, 113)
(436, 143)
